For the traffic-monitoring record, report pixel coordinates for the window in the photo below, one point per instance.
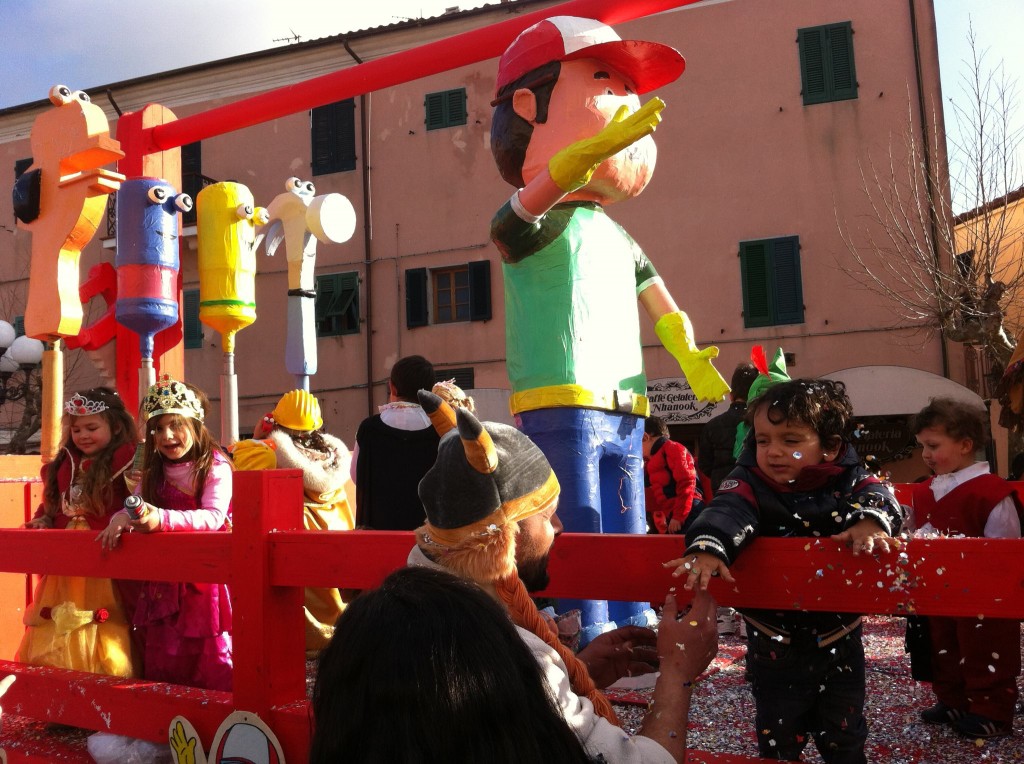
(457, 293)
(445, 109)
(827, 72)
(464, 376)
(772, 289)
(337, 304)
(965, 267)
(334, 137)
(191, 178)
(19, 326)
(451, 295)
(191, 325)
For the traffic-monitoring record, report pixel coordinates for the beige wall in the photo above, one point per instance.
(740, 158)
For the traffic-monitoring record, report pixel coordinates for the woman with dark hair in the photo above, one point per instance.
(429, 668)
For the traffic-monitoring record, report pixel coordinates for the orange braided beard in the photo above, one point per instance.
(524, 614)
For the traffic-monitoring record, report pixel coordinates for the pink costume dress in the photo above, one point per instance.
(76, 622)
(186, 628)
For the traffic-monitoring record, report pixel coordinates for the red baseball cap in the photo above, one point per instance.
(568, 38)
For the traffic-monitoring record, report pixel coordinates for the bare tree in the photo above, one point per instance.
(940, 245)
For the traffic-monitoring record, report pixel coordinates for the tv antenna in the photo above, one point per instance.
(292, 39)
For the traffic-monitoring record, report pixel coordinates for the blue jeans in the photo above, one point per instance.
(801, 690)
(597, 457)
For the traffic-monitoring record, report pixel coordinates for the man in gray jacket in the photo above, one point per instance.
(490, 502)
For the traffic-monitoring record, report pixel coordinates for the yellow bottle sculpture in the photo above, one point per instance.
(226, 222)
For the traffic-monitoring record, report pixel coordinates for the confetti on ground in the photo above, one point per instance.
(722, 711)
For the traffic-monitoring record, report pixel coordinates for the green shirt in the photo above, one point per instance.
(571, 286)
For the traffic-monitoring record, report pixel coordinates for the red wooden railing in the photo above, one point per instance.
(267, 560)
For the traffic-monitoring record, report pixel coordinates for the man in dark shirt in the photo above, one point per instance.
(394, 449)
(715, 447)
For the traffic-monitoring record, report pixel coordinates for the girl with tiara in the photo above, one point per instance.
(74, 622)
(185, 628)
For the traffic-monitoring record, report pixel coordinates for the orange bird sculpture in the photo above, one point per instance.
(61, 199)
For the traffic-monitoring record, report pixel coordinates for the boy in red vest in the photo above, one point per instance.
(975, 662)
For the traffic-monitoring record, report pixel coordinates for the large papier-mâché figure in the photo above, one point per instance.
(226, 221)
(147, 263)
(61, 198)
(569, 132)
(299, 219)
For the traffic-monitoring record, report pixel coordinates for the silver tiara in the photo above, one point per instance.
(79, 405)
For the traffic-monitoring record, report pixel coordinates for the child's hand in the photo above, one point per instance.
(699, 568)
(149, 522)
(868, 537)
(39, 522)
(110, 536)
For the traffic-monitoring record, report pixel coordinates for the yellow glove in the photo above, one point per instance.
(676, 333)
(572, 167)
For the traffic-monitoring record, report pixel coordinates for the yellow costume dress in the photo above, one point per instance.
(325, 468)
(75, 622)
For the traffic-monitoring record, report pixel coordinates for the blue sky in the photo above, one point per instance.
(87, 43)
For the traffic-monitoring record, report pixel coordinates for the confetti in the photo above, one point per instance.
(894, 701)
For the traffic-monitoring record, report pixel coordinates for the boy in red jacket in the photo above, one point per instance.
(673, 489)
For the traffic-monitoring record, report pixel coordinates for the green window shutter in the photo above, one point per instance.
(348, 305)
(20, 165)
(827, 71)
(191, 177)
(754, 275)
(445, 109)
(456, 107)
(337, 304)
(192, 158)
(788, 297)
(19, 326)
(191, 325)
(844, 73)
(480, 290)
(328, 295)
(416, 313)
(346, 138)
(333, 137)
(812, 65)
(434, 105)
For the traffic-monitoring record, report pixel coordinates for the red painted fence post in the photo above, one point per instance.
(268, 633)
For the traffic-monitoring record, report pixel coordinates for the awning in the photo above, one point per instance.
(888, 390)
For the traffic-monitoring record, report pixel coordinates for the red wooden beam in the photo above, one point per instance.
(200, 556)
(938, 577)
(415, 63)
(123, 706)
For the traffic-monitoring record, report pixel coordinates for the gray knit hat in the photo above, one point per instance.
(484, 471)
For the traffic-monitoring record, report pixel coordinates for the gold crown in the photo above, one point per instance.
(169, 396)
